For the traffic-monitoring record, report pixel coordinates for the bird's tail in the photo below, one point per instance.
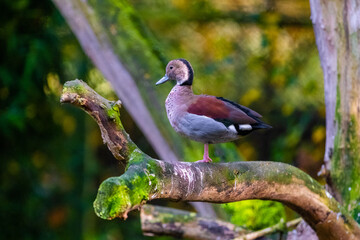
(260, 125)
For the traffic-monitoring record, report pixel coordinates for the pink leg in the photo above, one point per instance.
(206, 157)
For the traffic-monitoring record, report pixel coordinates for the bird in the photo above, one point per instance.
(205, 118)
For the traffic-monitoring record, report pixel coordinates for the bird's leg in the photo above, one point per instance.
(206, 157)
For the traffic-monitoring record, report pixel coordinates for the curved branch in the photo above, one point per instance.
(147, 178)
(105, 113)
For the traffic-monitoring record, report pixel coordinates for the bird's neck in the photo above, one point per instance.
(183, 90)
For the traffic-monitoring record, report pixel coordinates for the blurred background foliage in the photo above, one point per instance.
(259, 53)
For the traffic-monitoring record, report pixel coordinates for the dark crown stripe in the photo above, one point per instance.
(190, 70)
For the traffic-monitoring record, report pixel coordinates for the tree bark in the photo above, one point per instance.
(147, 178)
(303, 231)
(157, 220)
(337, 31)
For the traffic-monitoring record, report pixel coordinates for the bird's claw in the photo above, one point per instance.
(206, 159)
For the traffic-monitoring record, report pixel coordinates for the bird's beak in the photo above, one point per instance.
(164, 79)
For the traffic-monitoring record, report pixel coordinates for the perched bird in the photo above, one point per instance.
(204, 118)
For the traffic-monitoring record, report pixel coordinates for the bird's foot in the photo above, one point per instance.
(206, 159)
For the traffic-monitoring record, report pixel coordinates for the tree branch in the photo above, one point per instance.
(105, 113)
(263, 232)
(157, 220)
(147, 178)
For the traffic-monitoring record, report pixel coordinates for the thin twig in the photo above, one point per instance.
(266, 231)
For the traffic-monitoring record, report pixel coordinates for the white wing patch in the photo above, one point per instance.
(245, 127)
(242, 127)
(232, 128)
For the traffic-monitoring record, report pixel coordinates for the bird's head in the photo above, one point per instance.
(179, 70)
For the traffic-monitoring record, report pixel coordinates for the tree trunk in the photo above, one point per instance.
(337, 31)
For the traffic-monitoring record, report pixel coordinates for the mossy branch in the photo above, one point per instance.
(105, 113)
(147, 178)
(156, 220)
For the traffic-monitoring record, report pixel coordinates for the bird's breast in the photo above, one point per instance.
(176, 105)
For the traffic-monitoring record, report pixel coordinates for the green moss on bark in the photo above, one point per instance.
(246, 213)
(118, 195)
(114, 114)
(113, 198)
(351, 171)
(74, 87)
(345, 163)
(169, 215)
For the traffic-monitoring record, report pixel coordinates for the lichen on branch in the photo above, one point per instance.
(146, 178)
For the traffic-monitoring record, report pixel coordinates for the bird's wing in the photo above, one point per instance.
(223, 110)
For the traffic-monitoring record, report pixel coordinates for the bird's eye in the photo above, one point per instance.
(171, 67)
